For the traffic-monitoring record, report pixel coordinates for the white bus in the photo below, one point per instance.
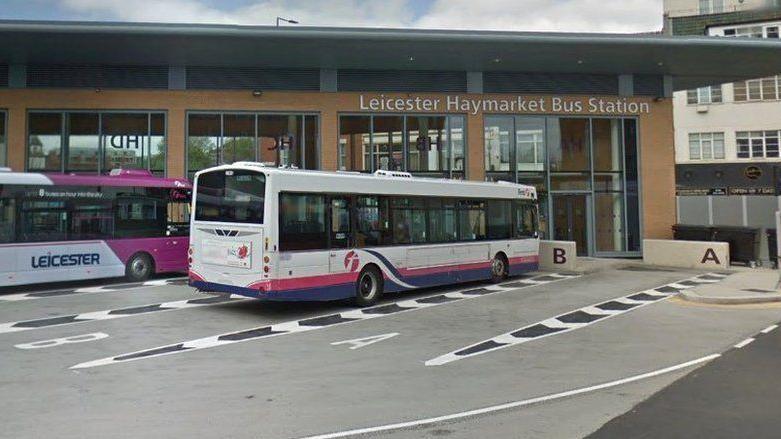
(289, 234)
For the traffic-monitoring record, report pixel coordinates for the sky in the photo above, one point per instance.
(511, 15)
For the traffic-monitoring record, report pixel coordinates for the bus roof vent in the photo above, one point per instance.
(394, 174)
(505, 182)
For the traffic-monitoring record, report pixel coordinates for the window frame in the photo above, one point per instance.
(64, 135)
(749, 137)
(449, 172)
(710, 138)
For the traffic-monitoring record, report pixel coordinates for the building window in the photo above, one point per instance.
(706, 146)
(711, 6)
(94, 142)
(3, 143)
(753, 31)
(280, 139)
(764, 89)
(704, 95)
(757, 144)
(431, 145)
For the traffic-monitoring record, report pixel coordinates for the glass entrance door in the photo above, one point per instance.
(570, 220)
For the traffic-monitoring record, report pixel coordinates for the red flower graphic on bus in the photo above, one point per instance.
(243, 252)
(351, 260)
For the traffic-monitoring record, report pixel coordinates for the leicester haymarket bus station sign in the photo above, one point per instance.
(515, 104)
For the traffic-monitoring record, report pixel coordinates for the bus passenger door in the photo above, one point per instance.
(340, 236)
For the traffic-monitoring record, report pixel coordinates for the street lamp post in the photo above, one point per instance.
(286, 21)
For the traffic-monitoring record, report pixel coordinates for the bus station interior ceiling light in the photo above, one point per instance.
(496, 60)
(411, 58)
(257, 93)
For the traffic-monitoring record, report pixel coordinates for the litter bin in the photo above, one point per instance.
(743, 243)
(691, 232)
(771, 247)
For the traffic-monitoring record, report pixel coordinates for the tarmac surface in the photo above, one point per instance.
(549, 355)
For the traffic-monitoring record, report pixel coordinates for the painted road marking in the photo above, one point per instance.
(566, 322)
(98, 289)
(61, 341)
(310, 324)
(112, 314)
(512, 405)
(768, 329)
(745, 342)
(357, 343)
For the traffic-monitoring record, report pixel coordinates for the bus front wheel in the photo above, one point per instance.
(369, 287)
(139, 267)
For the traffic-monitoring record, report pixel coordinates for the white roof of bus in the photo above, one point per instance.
(298, 180)
(24, 178)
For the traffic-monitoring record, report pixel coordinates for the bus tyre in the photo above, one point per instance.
(369, 287)
(499, 268)
(138, 267)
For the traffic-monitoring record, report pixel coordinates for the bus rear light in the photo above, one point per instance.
(266, 259)
(266, 242)
(265, 268)
(190, 261)
(190, 250)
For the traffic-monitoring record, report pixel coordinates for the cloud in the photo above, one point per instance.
(516, 15)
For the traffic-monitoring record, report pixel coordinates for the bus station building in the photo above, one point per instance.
(586, 118)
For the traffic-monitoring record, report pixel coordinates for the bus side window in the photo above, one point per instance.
(7, 219)
(471, 220)
(302, 222)
(340, 222)
(372, 222)
(525, 219)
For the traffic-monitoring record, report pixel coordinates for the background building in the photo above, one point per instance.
(727, 135)
(587, 118)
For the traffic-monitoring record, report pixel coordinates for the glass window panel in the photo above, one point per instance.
(772, 32)
(571, 154)
(564, 182)
(754, 90)
(372, 222)
(3, 144)
(280, 139)
(718, 146)
(771, 143)
(715, 94)
(769, 88)
(739, 89)
(609, 222)
(692, 96)
(707, 147)
(125, 140)
(498, 143)
(44, 142)
(704, 96)
(83, 142)
(607, 145)
(632, 185)
(457, 142)
(498, 215)
(525, 223)
(302, 222)
(530, 143)
(427, 143)
(43, 221)
(609, 182)
(757, 147)
(203, 141)
(538, 180)
(7, 220)
(442, 221)
(91, 220)
(471, 220)
(238, 138)
(388, 141)
(311, 141)
(340, 223)
(354, 149)
(695, 152)
(157, 144)
(742, 141)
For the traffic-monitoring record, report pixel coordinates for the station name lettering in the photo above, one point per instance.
(518, 104)
(47, 261)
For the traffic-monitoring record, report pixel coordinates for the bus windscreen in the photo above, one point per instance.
(232, 196)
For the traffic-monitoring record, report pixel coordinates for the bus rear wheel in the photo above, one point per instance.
(499, 268)
(139, 267)
(368, 290)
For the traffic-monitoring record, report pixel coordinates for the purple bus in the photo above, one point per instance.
(62, 227)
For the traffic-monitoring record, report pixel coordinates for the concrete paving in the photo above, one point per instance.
(746, 286)
(301, 384)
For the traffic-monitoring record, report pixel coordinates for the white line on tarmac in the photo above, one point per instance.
(313, 323)
(514, 404)
(564, 323)
(64, 292)
(768, 329)
(745, 342)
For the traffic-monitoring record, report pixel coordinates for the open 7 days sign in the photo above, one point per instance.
(516, 104)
